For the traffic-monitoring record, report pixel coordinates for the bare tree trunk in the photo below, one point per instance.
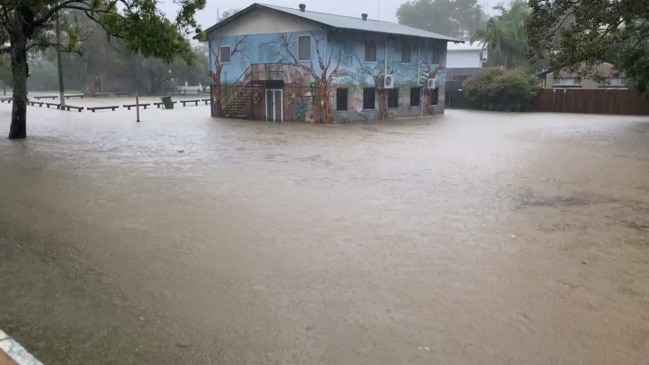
(217, 110)
(383, 104)
(18, 128)
(325, 100)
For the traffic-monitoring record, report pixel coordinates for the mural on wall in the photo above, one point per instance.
(377, 73)
(337, 60)
(321, 76)
(217, 101)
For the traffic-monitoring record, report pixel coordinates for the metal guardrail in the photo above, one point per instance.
(254, 72)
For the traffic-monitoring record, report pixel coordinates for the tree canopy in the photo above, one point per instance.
(455, 18)
(577, 35)
(505, 35)
(99, 56)
(142, 26)
(228, 13)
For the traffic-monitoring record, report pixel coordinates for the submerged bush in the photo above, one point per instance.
(501, 90)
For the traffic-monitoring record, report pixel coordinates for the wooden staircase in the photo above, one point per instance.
(238, 100)
(238, 105)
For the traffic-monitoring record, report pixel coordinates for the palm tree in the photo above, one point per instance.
(504, 35)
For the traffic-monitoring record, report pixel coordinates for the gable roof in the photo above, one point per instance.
(469, 46)
(341, 22)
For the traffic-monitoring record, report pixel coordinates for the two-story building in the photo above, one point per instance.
(283, 64)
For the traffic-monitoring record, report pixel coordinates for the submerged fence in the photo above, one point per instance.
(592, 101)
(589, 101)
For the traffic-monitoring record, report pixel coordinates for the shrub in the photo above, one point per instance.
(501, 90)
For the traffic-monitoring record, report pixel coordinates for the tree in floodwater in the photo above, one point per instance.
(144, 29)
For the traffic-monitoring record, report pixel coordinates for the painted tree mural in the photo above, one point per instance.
(323, 77)
(217, 94)
(377, 73)
(430, 72)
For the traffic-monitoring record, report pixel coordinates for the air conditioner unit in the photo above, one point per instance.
(431, 83)
(388, 82)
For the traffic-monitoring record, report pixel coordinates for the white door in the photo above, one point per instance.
(274, 105)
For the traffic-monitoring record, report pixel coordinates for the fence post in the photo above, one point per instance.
(137, 105)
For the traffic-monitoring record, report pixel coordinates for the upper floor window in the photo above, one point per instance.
(437, 55)
(618, 81)
(224, 54)
(406, 53)
(304, 48)
(370, 51)
(567, 81)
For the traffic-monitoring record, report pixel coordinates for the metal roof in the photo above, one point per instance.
(474, 46)
(343, 22)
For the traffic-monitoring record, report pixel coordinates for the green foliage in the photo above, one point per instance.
(455, 18)
(578, 35)
(121, 70)
(139, 23)
(505, 36)
(501, 90)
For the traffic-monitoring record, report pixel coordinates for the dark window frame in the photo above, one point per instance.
(366, 104)
(417, 101)
(406, 49)
(372, 42)
(221, 53)
(299, 48)
(393, 98)
(436, 56)
(433, 96)
(338, 99)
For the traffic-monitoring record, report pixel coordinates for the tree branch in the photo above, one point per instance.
(44, 44)
(62, 5)
(286, 43)
(236, 50)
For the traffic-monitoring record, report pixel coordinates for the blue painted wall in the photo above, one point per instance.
(349, 45)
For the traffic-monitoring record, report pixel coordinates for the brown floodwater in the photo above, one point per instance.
(473, 238)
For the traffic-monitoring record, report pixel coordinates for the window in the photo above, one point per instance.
(224, 54)
(370, 51)
(304, 48)
(393, 98)
(341, 99)
(617, 81)
(415, 96)
(369, 98)
(406, 53)
(437, 55)
(433, 96)
(567, 81)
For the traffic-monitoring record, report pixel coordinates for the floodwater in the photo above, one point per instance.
(473, 238)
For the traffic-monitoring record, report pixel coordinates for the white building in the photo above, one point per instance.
(466, 55)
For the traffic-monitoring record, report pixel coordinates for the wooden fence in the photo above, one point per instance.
(593, 101)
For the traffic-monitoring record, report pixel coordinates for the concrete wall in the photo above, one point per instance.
(356, 112)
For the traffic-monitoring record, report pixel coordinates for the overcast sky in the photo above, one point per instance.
(208, 16)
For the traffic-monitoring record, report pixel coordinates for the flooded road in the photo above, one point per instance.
(474, 238)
